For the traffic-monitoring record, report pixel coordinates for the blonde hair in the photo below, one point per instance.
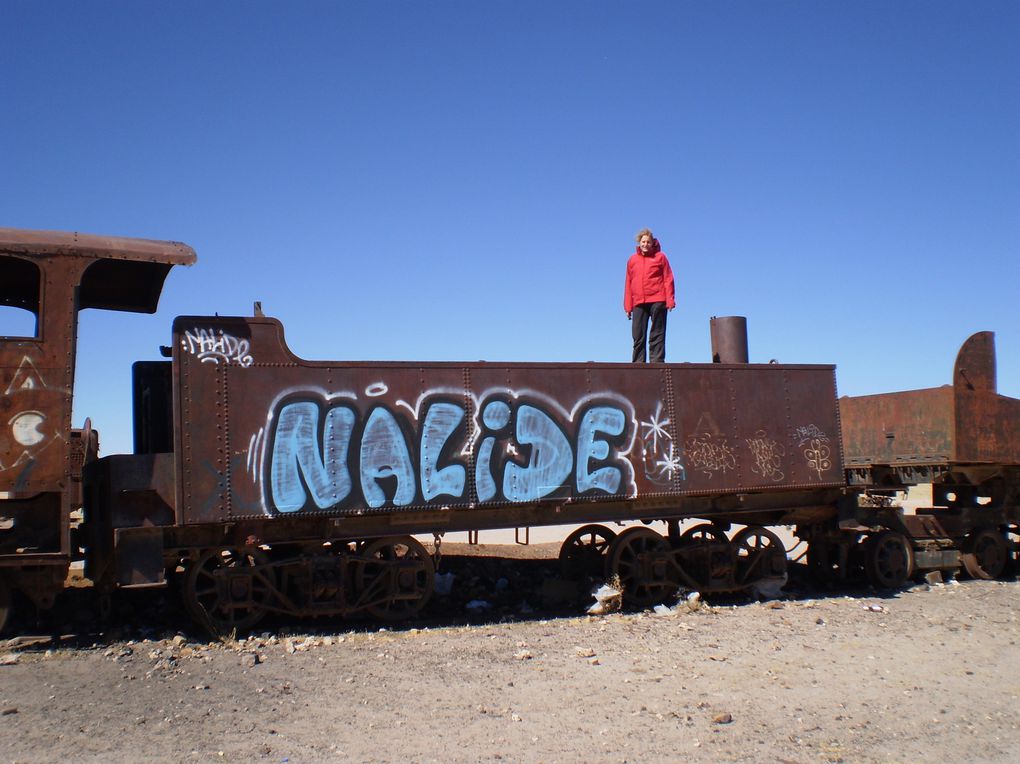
(644, 232)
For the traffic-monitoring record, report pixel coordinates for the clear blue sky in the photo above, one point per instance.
(462, 180)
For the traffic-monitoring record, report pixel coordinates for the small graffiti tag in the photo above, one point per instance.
(709, 453)
(805, 433)
(767, 456)
(28, 431)
(215, 345)
(816, 452)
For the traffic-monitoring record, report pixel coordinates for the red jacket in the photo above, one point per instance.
(649, 279)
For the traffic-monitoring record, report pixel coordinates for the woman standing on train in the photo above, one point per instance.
(647, 294)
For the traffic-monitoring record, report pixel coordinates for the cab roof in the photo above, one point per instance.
(126, 274)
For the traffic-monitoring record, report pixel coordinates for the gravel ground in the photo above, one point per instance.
(926, 674)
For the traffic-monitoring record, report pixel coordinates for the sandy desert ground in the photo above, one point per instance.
(921, 675)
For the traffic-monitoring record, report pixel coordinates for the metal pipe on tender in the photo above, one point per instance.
(729, 339)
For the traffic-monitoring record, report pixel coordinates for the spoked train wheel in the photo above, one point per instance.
(888, 560)
(703, 533)
(228, 590)
(643, 560)
(985, 554)
(760, 554)
(583, 553)
(394, 578)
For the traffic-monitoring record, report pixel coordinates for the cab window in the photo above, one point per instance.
(20, 287)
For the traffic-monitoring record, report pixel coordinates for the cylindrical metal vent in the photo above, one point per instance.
(729, 339)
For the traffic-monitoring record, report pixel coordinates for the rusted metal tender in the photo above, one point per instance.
(267, 435)
(294, 478)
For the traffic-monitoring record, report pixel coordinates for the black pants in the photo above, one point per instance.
(640, 317)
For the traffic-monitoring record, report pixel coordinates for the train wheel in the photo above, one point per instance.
(760, 554)
(703, 533)
(985, 554)
(583, 553)
(394, 578)
(888, 560)
(6, 603)
(228, 590)
(643, 561)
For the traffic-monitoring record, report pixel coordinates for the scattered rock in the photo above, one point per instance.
(769, 588)
(250, 659)
(584, 652)
(523, 655)
(608, 599)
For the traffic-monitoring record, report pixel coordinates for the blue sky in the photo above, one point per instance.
(463, 180)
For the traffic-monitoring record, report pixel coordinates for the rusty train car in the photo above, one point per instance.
(263, 483)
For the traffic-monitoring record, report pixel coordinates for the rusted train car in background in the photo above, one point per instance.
(964, 440)
(267, 483)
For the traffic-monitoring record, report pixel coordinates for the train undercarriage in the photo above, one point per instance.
(231, 577)
(231, 588)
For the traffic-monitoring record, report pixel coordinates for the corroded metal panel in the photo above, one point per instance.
(915, 427)
(752, 427)
(987, 424)
(52, 274)
(988, 427)
(263, 433)
(967, 422)
(35, 410)
(706, 434)
(37, 377)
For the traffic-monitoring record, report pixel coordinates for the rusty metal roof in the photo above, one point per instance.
(127, 274)
(50, 243)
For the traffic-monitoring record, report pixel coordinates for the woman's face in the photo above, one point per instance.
(645, 243)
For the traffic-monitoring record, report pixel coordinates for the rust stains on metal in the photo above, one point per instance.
(269, 435)
(967, 422)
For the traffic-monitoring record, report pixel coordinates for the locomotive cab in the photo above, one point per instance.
(46, 277)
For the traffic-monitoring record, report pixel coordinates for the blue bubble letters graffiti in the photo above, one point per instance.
(326, 454)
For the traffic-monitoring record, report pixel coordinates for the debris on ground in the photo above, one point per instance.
(608, 599)
(769, 588)
(443, 583)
